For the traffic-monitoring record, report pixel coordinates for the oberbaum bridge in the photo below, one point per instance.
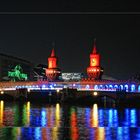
(93, 85)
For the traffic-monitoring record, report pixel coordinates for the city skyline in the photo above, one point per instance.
(33, 36)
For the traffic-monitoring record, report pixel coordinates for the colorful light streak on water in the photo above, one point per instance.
(1, 112)
(95, 116)
(29, 121)
(73, 124)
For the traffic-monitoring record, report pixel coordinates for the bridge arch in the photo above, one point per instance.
(138, 88)
(111, 87)
(116, 87)
(121, 87)
(96, 87)
(133, 88)
(126, 87)
(106, 87)
(100, 86)
(87, 86)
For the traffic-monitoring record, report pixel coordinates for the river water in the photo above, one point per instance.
(28, 121)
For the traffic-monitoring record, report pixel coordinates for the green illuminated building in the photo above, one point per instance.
(14, 68)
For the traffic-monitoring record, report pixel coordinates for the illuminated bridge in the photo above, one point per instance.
(96, 85)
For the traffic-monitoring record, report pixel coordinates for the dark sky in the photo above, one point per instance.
(30, 36)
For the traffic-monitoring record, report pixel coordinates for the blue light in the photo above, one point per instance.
(133, 118)
(110, 86)
(110, 119)
(87, 86)
(133, 88)
(119, 133)
(101, 118)
(126, 122)
(126, 87)
(43, 117)
(101, 86)
(116, 87)
(115, 118)
(139, 88)
(95, 87)
(37, 133)
(43, 86)
(51, 86)
(121, 87)
(87, 116)
(106, 86)
(126, 133)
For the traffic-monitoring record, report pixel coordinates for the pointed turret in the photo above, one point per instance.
(52, 72)
(94, 47)
(53, 53)
(94, 70)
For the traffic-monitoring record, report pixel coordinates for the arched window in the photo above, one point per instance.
(126, 88)
(95, 87)
(133, 88)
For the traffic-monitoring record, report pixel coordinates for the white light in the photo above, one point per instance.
(43, 86)
(95, 93)
(2, 92)
(28, 90)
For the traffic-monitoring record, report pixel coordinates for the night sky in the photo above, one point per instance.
(32, 36)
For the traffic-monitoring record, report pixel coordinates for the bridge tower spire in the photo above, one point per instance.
(94, 47)
(94, 71)
(52, 72)
(53, 53)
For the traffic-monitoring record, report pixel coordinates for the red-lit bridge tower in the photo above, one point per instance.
(94, 71)
(52, 72)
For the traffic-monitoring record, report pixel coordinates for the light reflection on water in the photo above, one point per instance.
(29, 121)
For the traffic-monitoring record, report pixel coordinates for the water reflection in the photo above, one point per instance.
(29, 121)
(58, 115)
(1, 112)
(73, 124)
(97, 133)
(95, 116)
